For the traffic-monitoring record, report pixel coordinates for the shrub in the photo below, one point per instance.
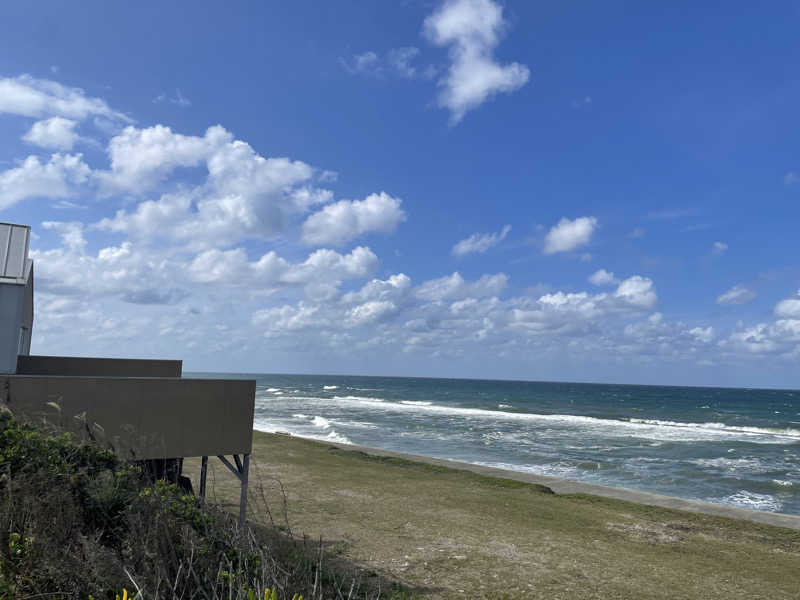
(76, 521)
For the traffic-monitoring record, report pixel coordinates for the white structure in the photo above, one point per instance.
(16, 295)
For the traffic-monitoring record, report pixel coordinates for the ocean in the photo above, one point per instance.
(739, 447)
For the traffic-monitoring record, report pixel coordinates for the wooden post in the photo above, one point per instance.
(243, 500)
(203, 473)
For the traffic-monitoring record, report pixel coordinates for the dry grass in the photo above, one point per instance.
(454, 534)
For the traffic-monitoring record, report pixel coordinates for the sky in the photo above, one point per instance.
(572, 191)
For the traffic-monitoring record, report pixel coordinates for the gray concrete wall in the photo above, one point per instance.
(11, 312)
(27, 310)
(141, 417)
(97, 367)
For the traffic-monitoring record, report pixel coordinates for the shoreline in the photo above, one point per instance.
(568, 486)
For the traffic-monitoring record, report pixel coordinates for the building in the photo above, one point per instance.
(16, 295)
(142, 409)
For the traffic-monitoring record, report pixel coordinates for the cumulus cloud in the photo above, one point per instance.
(345, 220)
(738, 294)
(780, 337)
(449, 313)
(456, 287)
(140, 273)
(603, 277)
(198, 255)
(244, 195)
(55, 133)
(480, 242)
(472, 30)
(789, 308)
(38, 98)
(141, 158)
(637, 291)
(568, 235)
(232, 266)
(56, 178)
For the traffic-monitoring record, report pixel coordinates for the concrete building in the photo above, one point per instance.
(16, 295)
(142, 409)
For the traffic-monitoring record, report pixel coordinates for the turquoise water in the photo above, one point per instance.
(732, 446)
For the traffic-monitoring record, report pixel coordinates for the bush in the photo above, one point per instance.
(77, 522)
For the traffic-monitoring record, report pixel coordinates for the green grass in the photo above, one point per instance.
(457, 534)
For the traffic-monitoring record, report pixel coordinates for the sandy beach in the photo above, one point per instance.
(453, 530)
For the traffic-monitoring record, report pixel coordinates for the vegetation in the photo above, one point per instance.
(75, 522)
(452, 533)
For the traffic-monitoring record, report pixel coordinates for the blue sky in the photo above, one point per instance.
(568, 191)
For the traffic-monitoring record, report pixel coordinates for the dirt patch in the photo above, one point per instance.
(652, 533)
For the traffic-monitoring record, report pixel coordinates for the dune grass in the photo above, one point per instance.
(76, 522)
(450, 533)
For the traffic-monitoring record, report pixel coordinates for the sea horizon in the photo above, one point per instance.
(244, 374)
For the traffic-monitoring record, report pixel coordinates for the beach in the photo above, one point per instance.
(473, 532)
(728, 446)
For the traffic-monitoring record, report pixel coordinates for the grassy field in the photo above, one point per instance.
(455, 534)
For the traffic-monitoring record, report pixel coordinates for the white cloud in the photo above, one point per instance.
(55, 133)
(719, 248)
(637, 291)
(141, 273)
(479, 242)
(370, 312)
(56, 178)
(141, 158)
(738, 294)
(400, 60)
(345, 220)
(397, 62)
(472, 29)
(364, 63)
(179, 99)
(781, 337)
(568, 235)
(455, 287)
(603, 277)
(703, 334)
(38, 98)
(244, 195)
(789, 308)
(205, 263)
(288, 318)
(232, 266)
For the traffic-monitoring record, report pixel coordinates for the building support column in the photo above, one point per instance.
(242, 472)
(203, 474)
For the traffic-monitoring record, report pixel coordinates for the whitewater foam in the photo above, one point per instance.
(330, 387)
(794, 433)
(356, 398)
(646, 428)
(752, 500)
(321, 422)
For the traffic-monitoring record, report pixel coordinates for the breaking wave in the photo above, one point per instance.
(647, 428)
